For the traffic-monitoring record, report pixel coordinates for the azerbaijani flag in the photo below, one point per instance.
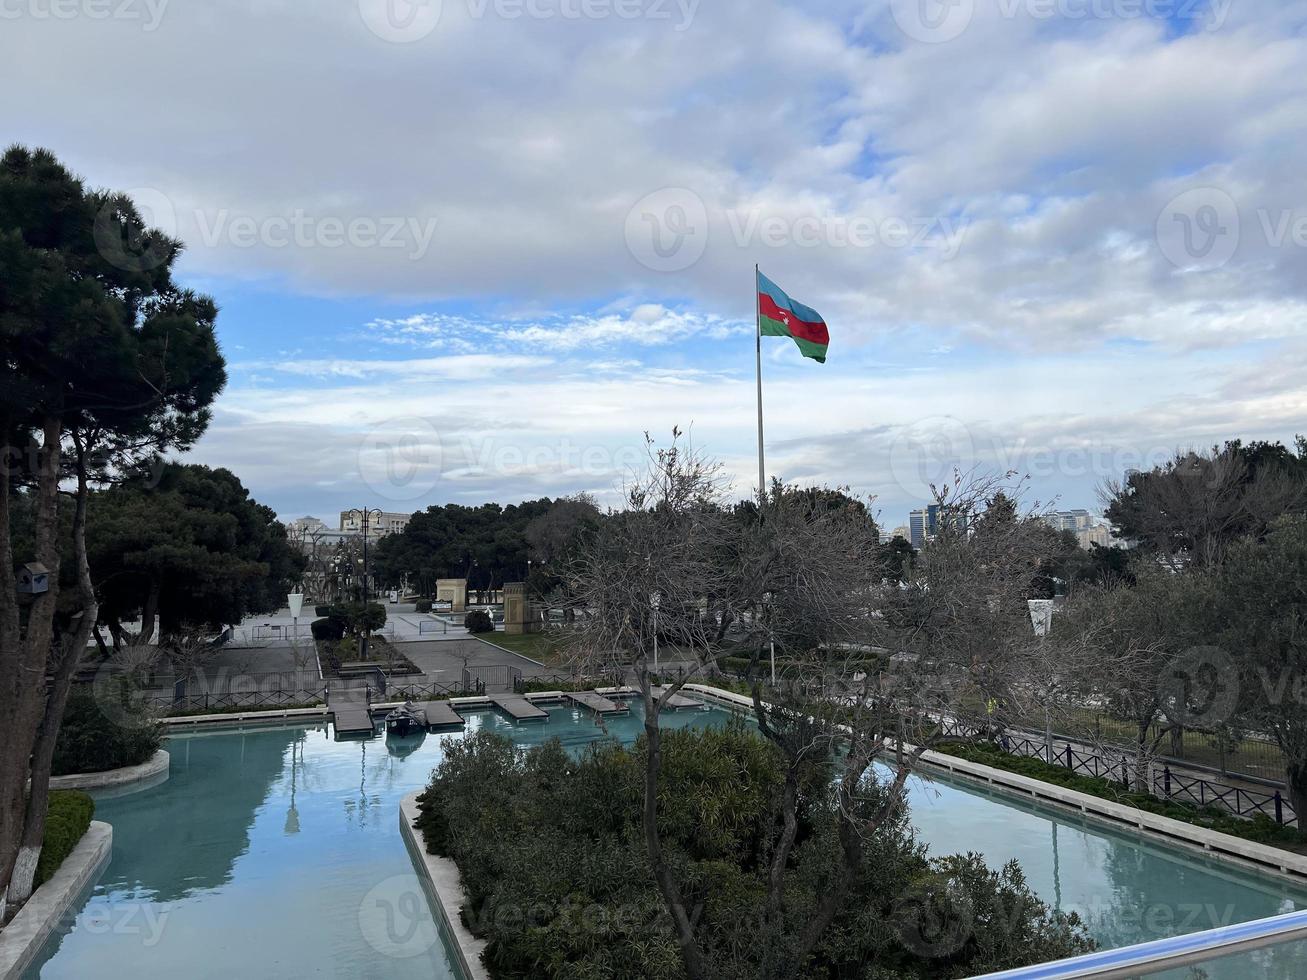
(780, 316)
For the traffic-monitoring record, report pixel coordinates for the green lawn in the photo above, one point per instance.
(543, 647)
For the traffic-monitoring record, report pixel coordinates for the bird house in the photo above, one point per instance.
(33, 579)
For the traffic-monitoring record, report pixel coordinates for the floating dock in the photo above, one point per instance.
(677, 701)
(352, 718)
(518, 708)
(597, 703)
(439, 714)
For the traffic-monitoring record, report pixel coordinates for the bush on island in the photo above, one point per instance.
(93, 740)
(551, 852)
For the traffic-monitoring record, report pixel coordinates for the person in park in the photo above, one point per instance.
(105, 364)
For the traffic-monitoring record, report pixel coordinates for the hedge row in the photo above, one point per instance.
(1261, 828)
(67, 819)
(92, 741)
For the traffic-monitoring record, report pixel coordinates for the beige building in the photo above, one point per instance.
(380, 523)
(1099, 534)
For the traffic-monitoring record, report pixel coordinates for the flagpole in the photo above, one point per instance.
(757, 326)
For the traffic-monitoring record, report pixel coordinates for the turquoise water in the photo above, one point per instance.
(277, 853)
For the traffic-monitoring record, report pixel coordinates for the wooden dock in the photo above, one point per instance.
(677, 701)
(518, 708)
(351, 718)
(440, 715)
(597, 703)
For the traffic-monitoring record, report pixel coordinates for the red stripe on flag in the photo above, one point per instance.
(813, 332)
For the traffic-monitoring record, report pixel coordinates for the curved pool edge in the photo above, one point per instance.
(442, 880)
(118, 782)
(23, 939)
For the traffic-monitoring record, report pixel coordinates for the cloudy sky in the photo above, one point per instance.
(475, 249)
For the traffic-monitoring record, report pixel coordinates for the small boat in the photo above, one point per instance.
(406, 719)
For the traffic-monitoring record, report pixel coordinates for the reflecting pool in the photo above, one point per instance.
(277, 853)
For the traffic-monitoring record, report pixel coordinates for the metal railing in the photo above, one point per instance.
(1163, 783)
(494, 678)
(1147, 959)
(432, 692)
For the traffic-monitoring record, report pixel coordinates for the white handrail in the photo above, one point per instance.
(1167, 954)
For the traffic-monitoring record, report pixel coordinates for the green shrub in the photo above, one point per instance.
(424, 605)
(67, 817)
(479, 621)
(550, 848)
(91, 741)
(327, 630)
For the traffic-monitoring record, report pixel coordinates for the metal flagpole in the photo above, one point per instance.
(757, 325)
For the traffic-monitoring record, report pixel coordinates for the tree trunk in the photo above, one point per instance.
(24, 658)
(1140, 780)
(691, 955)
(73, 646)
(1295, 774)
(149, 614)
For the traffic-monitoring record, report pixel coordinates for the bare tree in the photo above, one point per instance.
(871, 664)
(1132, 645)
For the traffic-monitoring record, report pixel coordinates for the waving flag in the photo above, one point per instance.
(780, 316)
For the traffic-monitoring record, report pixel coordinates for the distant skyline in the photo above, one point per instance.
(481, 263)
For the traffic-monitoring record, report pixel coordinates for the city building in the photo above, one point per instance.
(380, 523)
(1071, 520)
(1099, 534)
(923, 525)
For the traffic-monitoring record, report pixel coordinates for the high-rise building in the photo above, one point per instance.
(1071, 520)
(923, 525)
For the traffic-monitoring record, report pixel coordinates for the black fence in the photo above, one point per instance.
(433, 692)
(491, 678)
(1162, 781)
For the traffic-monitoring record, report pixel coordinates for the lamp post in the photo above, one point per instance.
(771, 640)
(366, 515)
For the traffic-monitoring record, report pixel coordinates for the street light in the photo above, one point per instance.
(366, 514)
(771, 640)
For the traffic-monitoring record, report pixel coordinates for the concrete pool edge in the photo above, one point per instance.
(446, 884)
(119, 782)
(1244, 854)
(23, 939)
